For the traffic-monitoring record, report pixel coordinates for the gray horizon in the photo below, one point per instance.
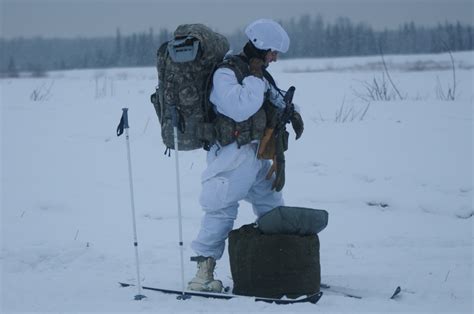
(99, 18)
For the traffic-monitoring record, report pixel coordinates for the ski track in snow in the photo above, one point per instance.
(397, 185)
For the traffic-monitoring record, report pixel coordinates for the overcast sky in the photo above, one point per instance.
(89, 18)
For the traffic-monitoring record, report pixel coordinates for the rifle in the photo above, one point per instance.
(274, 142)
(287, 113)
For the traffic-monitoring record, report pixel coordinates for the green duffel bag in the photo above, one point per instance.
(273, 265)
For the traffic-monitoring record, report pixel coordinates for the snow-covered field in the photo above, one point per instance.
(397, 183)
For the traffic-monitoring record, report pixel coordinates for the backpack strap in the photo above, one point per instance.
(238, 64)
(272, 82)
(228, 130)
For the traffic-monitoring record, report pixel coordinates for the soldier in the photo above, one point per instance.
(243, 95)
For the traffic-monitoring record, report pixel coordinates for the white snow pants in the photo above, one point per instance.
(232, 175)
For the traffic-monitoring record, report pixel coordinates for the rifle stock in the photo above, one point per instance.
(266, 149)
(268, 143)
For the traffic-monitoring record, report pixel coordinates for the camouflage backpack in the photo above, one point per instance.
(185, 67)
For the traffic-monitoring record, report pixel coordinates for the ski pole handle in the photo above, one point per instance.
(123, 122)
(125, 118)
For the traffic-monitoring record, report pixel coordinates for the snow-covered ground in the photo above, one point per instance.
(397, 183)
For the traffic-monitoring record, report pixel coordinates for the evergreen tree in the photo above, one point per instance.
(118, 47)
(310, 37)
(12, 70)
(37, 70)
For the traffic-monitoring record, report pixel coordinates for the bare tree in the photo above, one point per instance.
(451, 93)
(42, 93)
(350, 114)
(376, 90)
(388, 74)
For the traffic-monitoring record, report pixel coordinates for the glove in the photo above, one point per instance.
(297, 124)
(278, 167)
(280, 176)
(256, 67)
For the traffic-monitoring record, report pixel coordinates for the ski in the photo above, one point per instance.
(344, 293)
(313, 298)
(351, 293)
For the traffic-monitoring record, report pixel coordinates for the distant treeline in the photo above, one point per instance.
(310, 37)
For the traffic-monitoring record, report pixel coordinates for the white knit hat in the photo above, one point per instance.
(267, 34)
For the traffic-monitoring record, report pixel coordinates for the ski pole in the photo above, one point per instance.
(178, 194)
(124, 125)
